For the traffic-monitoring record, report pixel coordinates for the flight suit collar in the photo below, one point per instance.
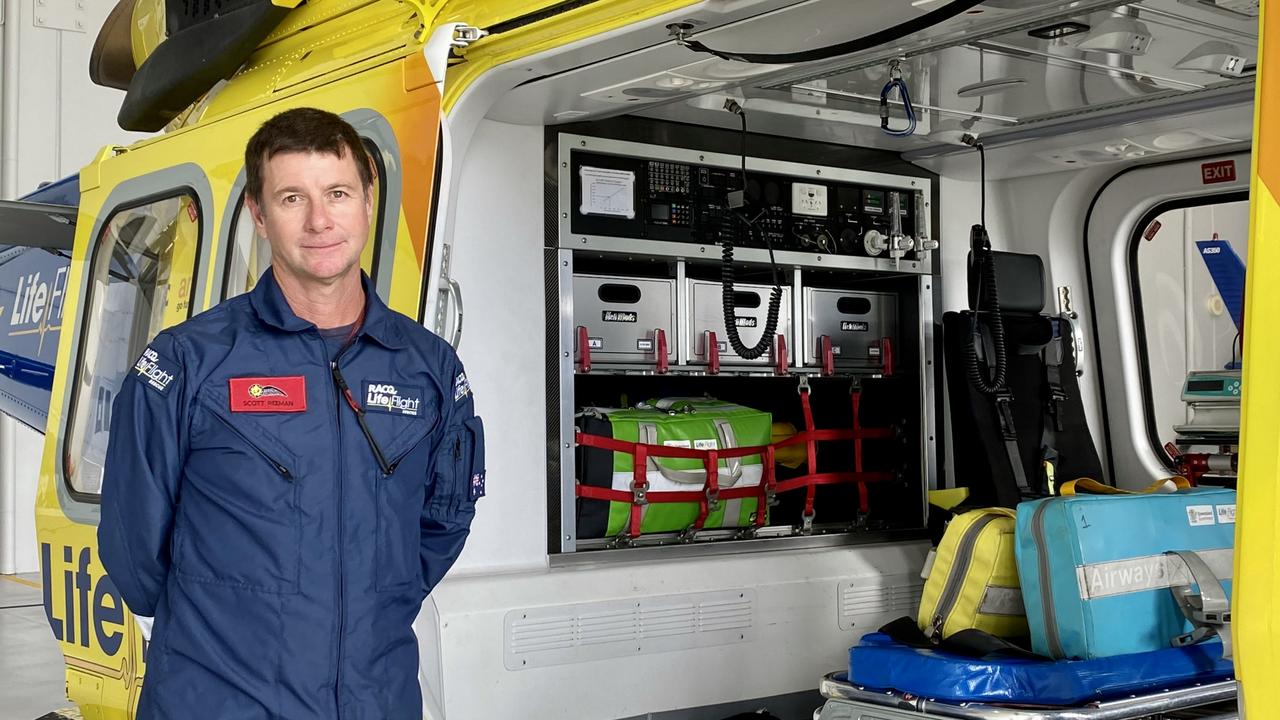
(272, 308)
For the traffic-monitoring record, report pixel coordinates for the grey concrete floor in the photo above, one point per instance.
(31, 676)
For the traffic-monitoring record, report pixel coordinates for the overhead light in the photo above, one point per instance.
(1216, 57)
(673, 81)
(990, 87)
(1058, 30)
(1119, 35)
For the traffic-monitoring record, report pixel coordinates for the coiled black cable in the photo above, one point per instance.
(987, 299)
(728, 299)
(731, 308)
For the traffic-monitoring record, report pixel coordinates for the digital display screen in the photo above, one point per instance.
(847, 199)
(873, 201)
(1204, 386)
(660, 212)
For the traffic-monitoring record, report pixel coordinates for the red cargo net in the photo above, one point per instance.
(710, 493)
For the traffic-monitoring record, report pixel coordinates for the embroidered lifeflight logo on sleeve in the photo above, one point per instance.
(156, 370)
(461, 388)
(393, 398)
(269, 394)
(477, 486)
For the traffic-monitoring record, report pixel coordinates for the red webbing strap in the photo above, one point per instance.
(711, 490)
(811, 450)
(768, 485)
(592, 492)
(608, 443)
(864, 502)
(639, 487)
(836, 478)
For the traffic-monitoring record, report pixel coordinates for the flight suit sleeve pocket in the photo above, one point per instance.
(475, 477)
(459, 478)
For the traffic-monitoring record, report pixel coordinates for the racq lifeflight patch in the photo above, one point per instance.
(269, 394)
(394, 398)
(155, 370)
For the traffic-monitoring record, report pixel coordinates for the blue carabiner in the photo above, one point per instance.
(896, 82)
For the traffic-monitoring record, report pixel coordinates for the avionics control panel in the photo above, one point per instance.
(690, 197)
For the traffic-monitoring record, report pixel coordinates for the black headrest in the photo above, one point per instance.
(1019, 282)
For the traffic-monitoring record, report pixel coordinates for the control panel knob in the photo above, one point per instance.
(824, 241)
(925, 244)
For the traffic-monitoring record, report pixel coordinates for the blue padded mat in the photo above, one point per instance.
(880, 662)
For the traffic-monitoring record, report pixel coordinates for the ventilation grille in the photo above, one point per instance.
(569, 634)
(874, 600)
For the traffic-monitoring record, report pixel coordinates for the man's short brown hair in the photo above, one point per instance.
(303, 130)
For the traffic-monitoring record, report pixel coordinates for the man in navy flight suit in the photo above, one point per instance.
(291, 472)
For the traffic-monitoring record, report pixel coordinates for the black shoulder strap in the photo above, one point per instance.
(1051, 357)
(1009, 434)
(1002, 401)
(969, 643)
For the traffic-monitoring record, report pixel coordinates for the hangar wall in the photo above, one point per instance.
(52, 121)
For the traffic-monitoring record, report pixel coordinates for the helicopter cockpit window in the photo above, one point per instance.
(141, 281)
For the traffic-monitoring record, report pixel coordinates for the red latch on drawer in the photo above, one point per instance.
(713, 353)
(828, 355)
(780, 355)
(660, 347)
(584, 350)
(886, 355)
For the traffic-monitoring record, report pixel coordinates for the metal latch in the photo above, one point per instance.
(464, 35)
(444, 40)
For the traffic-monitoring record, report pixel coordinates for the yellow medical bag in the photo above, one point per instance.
(972, 581)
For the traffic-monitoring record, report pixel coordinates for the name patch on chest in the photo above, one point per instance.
(269, 394)
(394, 398)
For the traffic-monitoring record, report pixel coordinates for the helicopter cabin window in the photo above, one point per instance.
(141, 281)
(1187, 266)
(249, 253)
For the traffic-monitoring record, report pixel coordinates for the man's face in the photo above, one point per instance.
(315, 213)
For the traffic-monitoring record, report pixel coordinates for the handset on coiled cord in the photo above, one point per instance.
(985, 300)
(729, 300)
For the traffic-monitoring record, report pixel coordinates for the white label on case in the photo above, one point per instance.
(1226, 514)
(705, 445)
(1201, 515)
(676, 443)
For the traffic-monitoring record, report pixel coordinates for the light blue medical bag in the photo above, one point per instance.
(1106, 575)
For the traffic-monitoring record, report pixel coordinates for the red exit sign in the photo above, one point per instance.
(1218, 172)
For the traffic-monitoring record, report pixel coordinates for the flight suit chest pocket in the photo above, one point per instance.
(239, 517)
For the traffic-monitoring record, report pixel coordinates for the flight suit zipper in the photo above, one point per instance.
(342, 578)
(279, 466)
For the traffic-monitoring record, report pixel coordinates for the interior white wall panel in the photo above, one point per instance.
(497, 259)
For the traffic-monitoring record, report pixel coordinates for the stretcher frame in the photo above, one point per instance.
(846, 701)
